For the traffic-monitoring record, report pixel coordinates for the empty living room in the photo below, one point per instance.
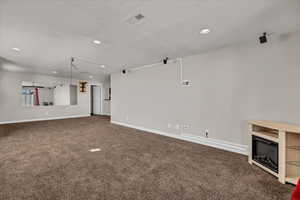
(149, 100)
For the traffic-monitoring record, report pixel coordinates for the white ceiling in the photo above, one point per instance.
(49, 32)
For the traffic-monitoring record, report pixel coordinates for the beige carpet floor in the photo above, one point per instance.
(50, 160)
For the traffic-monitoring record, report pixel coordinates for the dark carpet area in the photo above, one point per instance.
(50, 160)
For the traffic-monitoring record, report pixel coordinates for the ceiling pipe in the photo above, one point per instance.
(177, 60)
(87, 61)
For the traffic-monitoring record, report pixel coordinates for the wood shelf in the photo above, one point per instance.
(267, 135)
(264, 168)
(277, 126)
(294, 163)
(292, 180)
(292, 157)
(294, 148)
(288, 138)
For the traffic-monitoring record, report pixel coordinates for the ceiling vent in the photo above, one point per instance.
(135, 19)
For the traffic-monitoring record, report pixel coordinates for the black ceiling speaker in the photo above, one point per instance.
(124, 71)
(263, 39)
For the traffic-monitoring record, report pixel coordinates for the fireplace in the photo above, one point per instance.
(265, 152)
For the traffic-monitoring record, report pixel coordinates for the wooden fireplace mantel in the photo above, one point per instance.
(288, 138)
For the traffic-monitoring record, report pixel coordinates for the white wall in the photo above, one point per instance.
(74, 90)
(229, 87)
(11, 108)
(62, 94)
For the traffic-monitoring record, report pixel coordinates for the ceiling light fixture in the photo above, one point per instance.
(90, 77)
(16, 49)
(54, 72)
(204, 31)
(102, 66)
(97, 42)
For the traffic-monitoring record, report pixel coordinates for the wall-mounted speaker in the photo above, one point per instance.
(165, 60)
(263, 39)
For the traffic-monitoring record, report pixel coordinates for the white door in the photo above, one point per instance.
(97, 100)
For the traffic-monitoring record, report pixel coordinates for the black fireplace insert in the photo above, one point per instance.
(265, 152)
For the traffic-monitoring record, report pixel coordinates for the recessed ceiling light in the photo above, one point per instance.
(16, 49)
(97, 42)
(90, 77)
(54, 72)
(204, 31)
(102, 66)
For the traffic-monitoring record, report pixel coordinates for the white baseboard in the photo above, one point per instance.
(43, 119)
(220, 144)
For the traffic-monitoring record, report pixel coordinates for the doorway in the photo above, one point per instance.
(96, 100)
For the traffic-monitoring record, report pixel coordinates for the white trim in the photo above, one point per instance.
(43, 119)
(220, 144)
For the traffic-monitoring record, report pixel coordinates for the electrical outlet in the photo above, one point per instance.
(177, 126)
(206, 133)
(169, 125)
(186, 83)
(185, 126)
(127, 118)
